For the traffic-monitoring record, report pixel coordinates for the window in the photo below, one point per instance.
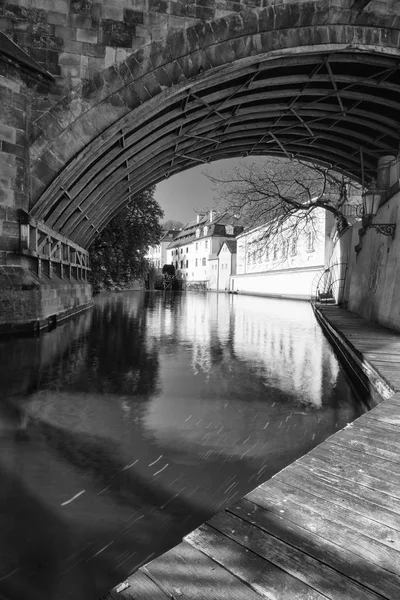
(293, 246)
(187, 249)
(187, 264)
(197, 232)
(205, 230)
(275, 251)
(197, 246)
(197, 262)
(204, 262)
(285, 244)
(229, 229)
(206, 244)
(310, 242)
(181, 250)
(181, 264)
(266, 253)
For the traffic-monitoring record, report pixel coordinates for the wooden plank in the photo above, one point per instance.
(300, 565)
(377, 425)
(371, 447)
(380, 466)
(352, 496)
(361, 470)
(325, 550)
(262, 576)
(356, 485)
(385, 414)
(324, 505)
(330, 524)
(383, 356)
(186, 572)
(374, 435)
(141, 587)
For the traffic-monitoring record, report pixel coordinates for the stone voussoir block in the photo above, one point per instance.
(8, 134)
(86, 35)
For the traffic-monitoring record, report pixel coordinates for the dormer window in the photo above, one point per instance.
(205, 230)
(197, 233)
(229, 229)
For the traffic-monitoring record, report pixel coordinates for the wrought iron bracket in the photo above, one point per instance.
(388, 229)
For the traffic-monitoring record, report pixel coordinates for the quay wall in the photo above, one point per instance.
(373, 288)
(296, 283)
(29, 303)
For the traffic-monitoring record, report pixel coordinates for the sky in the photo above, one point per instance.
(181, 195)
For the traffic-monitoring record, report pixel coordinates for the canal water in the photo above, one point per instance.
(126, 427)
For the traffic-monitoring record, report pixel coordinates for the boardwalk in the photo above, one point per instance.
(327, 526)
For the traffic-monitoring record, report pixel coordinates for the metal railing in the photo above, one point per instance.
(328, 286)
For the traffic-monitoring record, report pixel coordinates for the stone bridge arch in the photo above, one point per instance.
(316, 79)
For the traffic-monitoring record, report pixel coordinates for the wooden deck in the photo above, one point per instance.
(327, 526)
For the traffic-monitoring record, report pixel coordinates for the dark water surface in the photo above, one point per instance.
(126, 427)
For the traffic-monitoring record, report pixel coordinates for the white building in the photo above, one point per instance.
(285, 267)
(221, 266)
(199, 240)
(157, 255)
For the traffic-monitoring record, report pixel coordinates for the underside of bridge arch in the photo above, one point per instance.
(285, 83)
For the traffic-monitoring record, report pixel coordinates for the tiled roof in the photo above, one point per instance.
(231, 244)
(188, 233)
(170, 235)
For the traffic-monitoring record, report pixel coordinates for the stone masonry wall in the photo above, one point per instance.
(75, 39)
(374, 272)
(14, 158)
(27, 302)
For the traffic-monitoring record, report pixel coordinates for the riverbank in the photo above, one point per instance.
(327, 526)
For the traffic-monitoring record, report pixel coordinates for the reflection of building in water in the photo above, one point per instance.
(289, 358)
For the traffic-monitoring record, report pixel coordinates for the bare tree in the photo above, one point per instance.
(283, 195)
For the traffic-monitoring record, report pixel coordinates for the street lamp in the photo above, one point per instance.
(371, 199)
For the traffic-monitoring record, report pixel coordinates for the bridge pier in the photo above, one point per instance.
(43, 275)
(43, 279)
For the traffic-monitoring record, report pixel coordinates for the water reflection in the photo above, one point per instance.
(125, 428)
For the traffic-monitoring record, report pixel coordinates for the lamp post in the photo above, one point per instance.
(371, 200)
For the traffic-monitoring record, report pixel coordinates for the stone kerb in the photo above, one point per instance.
(104, 101)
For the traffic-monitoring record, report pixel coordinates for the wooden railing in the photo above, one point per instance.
(51, 253)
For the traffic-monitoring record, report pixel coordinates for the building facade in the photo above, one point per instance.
(157, 255)
(286, 266)
(222, 266)
(200, 240)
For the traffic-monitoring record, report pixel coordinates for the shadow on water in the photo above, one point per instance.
(127, 427)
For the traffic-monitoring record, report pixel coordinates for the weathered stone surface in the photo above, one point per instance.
(27, 301)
